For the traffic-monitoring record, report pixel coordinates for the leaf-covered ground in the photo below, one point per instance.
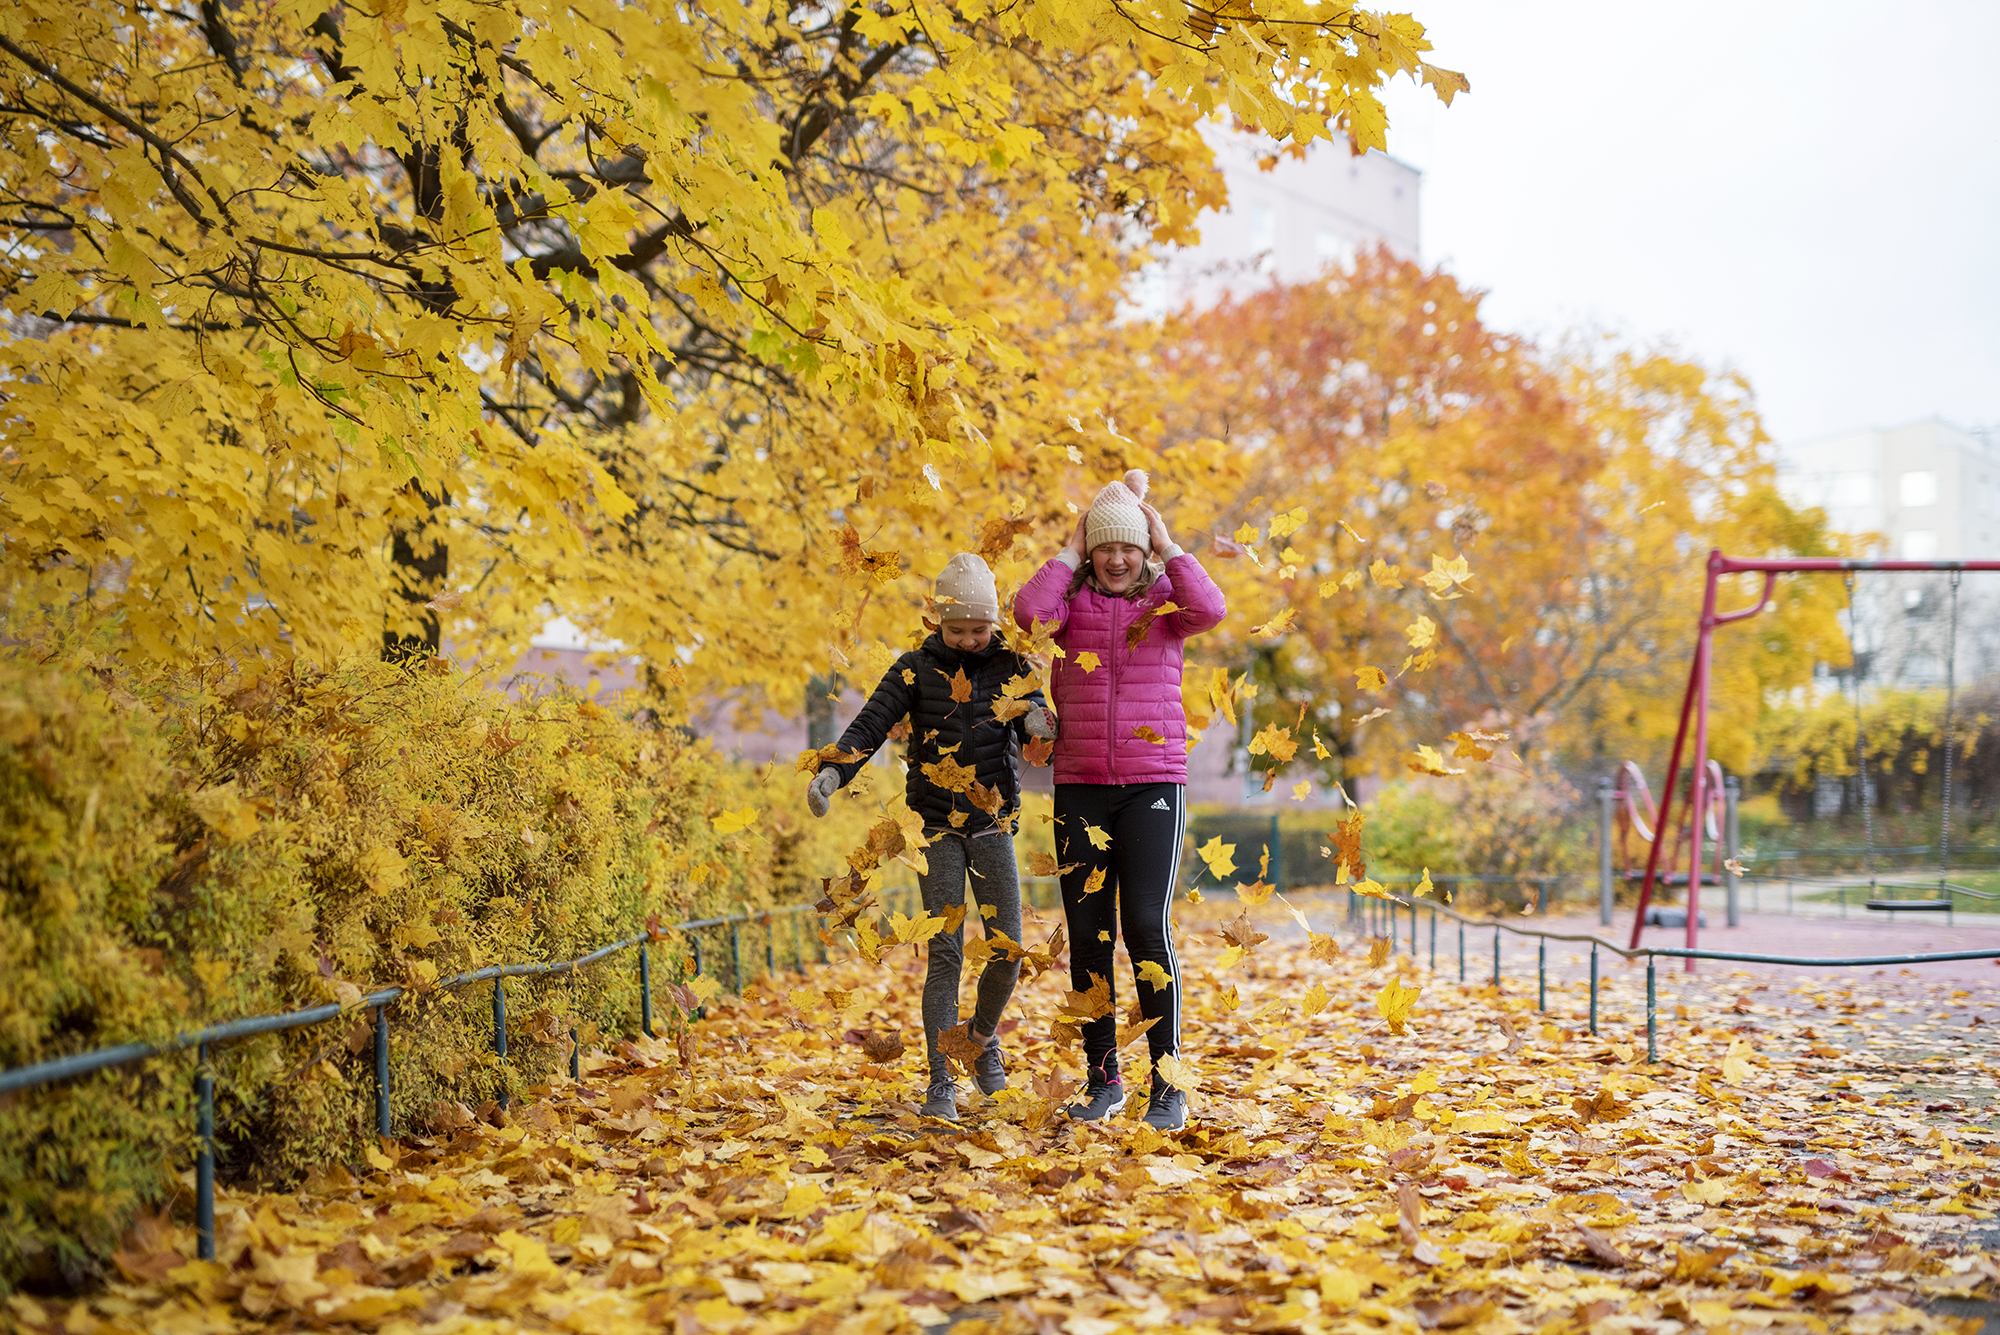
(1489, 1169)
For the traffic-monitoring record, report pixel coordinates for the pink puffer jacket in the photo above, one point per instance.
(1102, 710)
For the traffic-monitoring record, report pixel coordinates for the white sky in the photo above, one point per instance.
(1809, 192)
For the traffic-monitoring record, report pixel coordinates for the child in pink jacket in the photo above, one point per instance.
(1121, 762)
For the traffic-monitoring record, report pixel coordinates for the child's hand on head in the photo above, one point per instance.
(1157, 529)
(1077, 541)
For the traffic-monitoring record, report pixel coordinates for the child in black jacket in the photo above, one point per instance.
(965, 728)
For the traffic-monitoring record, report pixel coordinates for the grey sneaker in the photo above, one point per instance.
(1100, 1100)
(941, 1100)
(987, 1071)
(1167, 1109)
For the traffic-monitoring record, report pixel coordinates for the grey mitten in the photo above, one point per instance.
(819, 793)
(1041, 724)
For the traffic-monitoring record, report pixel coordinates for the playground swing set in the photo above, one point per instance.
(1705, 775)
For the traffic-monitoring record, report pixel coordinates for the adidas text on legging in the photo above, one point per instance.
(1146, 823)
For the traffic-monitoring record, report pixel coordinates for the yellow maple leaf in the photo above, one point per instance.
(1372, 889)
(1371, 679)
(1219, 857)
(1395, 1002)
(1288, 523)
(1422, 632)
(1385, 575)
(1314, 1001)
(1248, 533)
(1428, 761)
(1302, 790)
(1095, 881)
(1277, 625)
(733, 822)
(1276, 742)
(949, 775)
(1088, 661)
(1150, 972)
(1174, 1071)
(1147, 734)
(1256, 892)
(1446, 577)
(1379, 951)
(1099, 839)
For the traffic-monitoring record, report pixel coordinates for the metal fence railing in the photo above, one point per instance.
(1366, 914)
(764, 923)
(1383, 917)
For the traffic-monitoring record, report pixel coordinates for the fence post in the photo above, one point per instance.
(575, 1055)
(700, 1012)
(770, 947)
(1593, 989)
(1434, 938)
(382, 1121)
(646, 991)
(1652, 1014)
(1542, 977)
(1606, 818)
(204, 1155)
(735, 957)
(1496, 957)
(1413, 929)
(500, 1033)
(1461, 954)
(1732, 793)
(1277, 853)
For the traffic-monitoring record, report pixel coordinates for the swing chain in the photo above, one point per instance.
(1950, 696)
(1861, 737)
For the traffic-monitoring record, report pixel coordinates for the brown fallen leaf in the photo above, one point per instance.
(881, 1048)
(1600, 1246)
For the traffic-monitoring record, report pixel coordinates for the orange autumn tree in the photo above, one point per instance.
(1424, 491)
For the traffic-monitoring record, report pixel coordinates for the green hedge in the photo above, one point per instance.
(183, 848)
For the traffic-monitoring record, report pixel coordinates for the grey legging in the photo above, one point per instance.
(989, 861)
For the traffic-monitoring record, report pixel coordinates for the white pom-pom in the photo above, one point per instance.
(1135, 479)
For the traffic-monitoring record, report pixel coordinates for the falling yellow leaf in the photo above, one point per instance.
(1371, 679)
(1278, 624)
(1422, 632)
(1428, 761)
(1314, 1001)
(1219, 857)
(1146, 734)
(733, 822)
(1385, 575)
(1088, 661)
(1095, 881)
(1302, 790)
(1395, 1001)
(1179, 1074)
(1288, 523)
(1149, 971)
(1099, 839)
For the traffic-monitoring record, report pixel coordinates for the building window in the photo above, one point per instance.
(1331, 248)
(1919, 489)
(1263, 228)
(1919, 544)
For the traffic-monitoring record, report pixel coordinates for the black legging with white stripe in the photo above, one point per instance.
(1145, 823)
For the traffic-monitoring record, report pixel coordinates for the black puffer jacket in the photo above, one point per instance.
(919, 687)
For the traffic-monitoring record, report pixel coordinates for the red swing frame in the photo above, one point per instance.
(1695, 703)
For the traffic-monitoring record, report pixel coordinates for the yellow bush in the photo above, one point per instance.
(183, 849)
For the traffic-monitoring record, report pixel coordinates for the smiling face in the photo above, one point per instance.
(966, 636)
(1117, 565)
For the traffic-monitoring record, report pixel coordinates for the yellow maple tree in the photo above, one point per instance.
(436, 320)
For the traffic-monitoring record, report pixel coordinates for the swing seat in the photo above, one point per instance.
(1911, 905)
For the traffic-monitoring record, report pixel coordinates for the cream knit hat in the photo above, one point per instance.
(1115, 515)
(965, 590)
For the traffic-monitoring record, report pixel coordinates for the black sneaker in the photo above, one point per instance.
(1099, 1101)
(1167, 1109)
(941, 1100)
(987, 1071)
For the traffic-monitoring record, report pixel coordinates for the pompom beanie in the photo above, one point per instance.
(965, 590)
(1115, 515)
